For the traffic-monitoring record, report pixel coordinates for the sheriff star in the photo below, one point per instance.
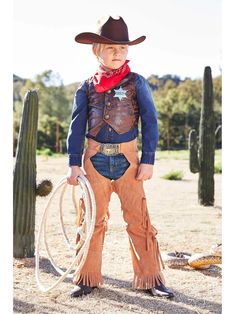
(120, 93)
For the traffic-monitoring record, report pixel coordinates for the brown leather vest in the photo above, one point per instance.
(117, 107)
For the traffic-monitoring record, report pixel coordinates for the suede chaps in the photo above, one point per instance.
(146, 258)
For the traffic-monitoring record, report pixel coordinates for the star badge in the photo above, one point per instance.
(120, 93)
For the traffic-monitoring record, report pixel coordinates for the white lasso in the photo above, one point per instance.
(85, 232)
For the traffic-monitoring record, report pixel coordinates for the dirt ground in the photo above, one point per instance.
(182, 225)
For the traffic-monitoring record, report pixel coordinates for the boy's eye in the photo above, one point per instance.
(111, 48)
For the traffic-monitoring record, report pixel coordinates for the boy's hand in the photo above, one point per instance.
(73, 173)
(145, 172)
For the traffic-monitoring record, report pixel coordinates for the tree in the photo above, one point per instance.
(190, 93)
(167, 101)
(54, 104)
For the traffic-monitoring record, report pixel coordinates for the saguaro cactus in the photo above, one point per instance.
(24, 183)
(204, 162)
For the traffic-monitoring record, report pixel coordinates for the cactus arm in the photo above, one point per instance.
(44, 188)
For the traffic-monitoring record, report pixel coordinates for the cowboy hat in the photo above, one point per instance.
(113, 31)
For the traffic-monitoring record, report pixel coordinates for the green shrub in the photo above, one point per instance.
(174, 175)
(218, 168)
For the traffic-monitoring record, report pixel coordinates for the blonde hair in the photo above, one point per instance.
(97, 48)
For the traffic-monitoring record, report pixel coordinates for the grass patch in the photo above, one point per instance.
(172, 154)
(47, 152)
(44, 152)
(174, 175)
(182, 155)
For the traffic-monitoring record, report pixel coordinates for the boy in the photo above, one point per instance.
(112, 101)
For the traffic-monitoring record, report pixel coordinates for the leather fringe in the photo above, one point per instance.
(147, 281)
(89, 279)
(147, 225)
(158, 255)
(80, 212)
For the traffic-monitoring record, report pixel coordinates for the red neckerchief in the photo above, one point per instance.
(104, 80)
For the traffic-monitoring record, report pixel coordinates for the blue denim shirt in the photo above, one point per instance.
(148, 117)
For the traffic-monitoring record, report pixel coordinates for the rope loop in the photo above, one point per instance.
(85, 231)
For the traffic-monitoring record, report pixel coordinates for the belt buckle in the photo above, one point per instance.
(109, 149)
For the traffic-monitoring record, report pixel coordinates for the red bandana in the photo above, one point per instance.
(105, 80)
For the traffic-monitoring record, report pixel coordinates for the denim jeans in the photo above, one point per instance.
(111, 167)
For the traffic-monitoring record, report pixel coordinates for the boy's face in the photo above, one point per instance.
(112, 56)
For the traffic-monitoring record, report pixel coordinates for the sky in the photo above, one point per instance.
(183, 36)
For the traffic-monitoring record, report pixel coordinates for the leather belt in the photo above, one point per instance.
(110, 149)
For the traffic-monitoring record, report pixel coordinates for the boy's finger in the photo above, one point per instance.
(139, 176)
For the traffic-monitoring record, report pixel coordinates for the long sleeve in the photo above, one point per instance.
(148, 116)
(77, 129)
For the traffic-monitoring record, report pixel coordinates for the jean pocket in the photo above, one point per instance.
(99, 158)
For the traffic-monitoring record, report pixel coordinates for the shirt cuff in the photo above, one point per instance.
(147, 158)
(75, 160)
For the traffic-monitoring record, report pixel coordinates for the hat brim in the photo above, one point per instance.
(91, 38)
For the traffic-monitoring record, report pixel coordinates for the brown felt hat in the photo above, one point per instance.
(113, 31)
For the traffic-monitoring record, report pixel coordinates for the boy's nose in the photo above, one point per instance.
(117, 51)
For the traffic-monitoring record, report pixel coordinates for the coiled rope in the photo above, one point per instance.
(85, 231)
